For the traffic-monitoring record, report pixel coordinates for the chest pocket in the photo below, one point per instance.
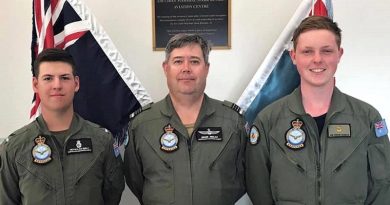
(158, 170)
(37, 182)
(224, 153)
(290, 167)
(221, 161)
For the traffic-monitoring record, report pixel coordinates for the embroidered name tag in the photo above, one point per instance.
(82, 145)
(339, 130)
(209, 134)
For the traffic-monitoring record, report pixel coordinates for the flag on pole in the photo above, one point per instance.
(109, 90)
(277, 76)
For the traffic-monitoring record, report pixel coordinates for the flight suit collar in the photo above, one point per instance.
(338, 102)
(296, 106)
(75, 125)
(206, 110)
(168, 110)
(295, 102)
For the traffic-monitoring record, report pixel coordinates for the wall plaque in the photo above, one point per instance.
(208, 18)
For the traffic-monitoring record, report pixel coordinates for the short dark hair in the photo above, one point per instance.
(52, 55)
(183, 39)
(317, 23)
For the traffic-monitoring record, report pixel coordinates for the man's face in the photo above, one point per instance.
(56, 86)
(186, 71)
(316, 57)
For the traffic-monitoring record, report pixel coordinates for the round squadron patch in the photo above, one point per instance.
(169, 140)
(254, 135)
(41, 152)
(295, 137)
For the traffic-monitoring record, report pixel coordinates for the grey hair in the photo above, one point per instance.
(183, 39)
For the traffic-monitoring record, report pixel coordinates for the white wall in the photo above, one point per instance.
(255, 26)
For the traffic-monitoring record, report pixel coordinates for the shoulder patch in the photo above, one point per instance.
(254, 135)
(381, 128)
(234, 107)
(138, 111)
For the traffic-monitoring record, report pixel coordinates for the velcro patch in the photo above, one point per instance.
(254, 135)
(76, 146)
(381, 128)
(209, 134)
(339, 130)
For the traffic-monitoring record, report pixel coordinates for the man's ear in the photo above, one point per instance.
(165, 67)
(292, 56)
(35, 84)
(77, 82)
(207, 67)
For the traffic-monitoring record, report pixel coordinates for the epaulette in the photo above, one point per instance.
(17, 132)
(138, 111)
(20, 131)
(234, 107)
(6, 140)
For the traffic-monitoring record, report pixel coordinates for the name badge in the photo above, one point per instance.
(339, 130)
(82, 145)
(209, 134)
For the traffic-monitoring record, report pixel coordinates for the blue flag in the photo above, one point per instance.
(277, 76)
(109, 90)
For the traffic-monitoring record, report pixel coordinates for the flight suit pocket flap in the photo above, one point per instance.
(29, 170)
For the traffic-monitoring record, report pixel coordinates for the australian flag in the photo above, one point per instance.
(109, 90)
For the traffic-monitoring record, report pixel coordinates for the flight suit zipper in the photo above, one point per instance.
(189, 144)
(321, 157)
(317, 152)
(323, 139)
(62, 185)
(318, 168)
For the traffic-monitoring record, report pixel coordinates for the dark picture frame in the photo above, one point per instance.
(208, 18)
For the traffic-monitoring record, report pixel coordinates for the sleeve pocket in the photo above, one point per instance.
(378, 157)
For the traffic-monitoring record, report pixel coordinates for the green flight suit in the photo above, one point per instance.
(344, 164)
(198, 171)
(81, 177)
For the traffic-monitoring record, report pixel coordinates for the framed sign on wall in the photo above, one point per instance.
(208, 18)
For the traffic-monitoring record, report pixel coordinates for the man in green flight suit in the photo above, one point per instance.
(318, 145)
(187, 148)
(59, 158)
